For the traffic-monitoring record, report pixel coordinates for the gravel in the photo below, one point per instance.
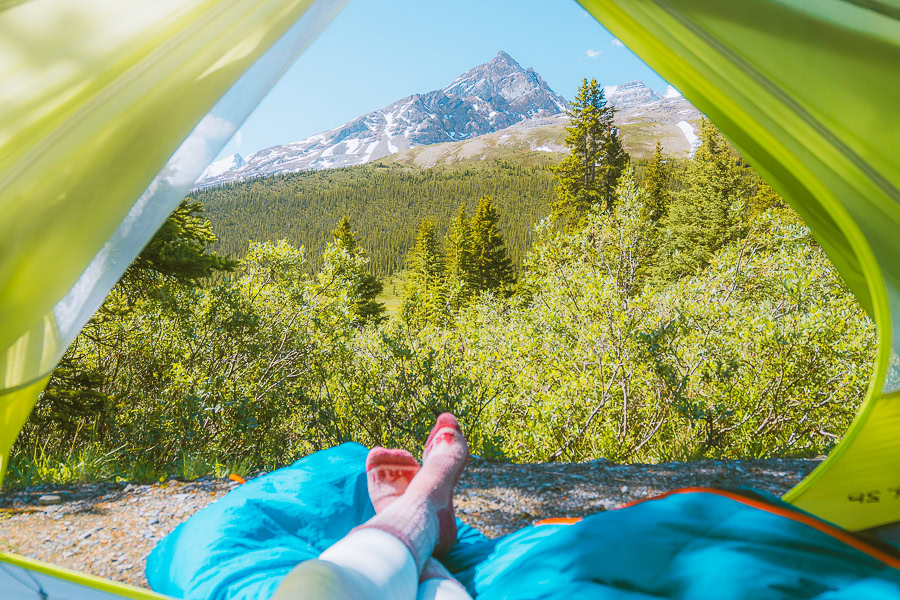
(108, 529)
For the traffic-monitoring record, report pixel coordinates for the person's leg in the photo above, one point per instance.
(367, 564)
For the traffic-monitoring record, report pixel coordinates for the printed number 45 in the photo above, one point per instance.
(865, 497)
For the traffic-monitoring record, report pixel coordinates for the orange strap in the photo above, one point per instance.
(799, 517)
(558, 521)
(826, 528)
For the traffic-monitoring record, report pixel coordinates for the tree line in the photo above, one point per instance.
(385, 204)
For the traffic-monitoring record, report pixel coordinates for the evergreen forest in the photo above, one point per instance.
(384, 202)
(665, 311)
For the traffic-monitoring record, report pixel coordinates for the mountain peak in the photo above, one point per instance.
(671, 92)
(484, 99)
(503, 57)
(221, 166)
(502, 79)
(629, 94)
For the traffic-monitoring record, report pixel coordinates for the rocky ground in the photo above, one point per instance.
(108, 529)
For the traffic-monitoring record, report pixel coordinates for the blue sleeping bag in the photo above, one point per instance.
(243, 545)
(685, 546)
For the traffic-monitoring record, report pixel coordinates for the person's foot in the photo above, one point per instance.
(422, 517)
(440, 432)
(388, 473)
(446, 454)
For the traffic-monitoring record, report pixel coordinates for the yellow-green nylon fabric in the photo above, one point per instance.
(807, 92)
(95, 97)
(94, 101)
(86, 586)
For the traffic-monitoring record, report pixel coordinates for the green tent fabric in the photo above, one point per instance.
(26, 579)
(109, 110)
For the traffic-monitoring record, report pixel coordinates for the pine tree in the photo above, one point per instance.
(425, 294)
(588, 175)
(709, 213)
(656, 184)
(614, 159)
(343, 235)
(492, 267)
(460, 266)
(365, 287)
(179, 253)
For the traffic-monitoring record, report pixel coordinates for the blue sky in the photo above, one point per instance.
(378, 51)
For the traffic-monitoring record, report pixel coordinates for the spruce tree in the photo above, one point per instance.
(614, 160)
(460, 266)
(492, 267)
(343, 235)
(425, 294)
(656, 184)
(178, 253)
(365, 286)
(588, 174)
(709, 213)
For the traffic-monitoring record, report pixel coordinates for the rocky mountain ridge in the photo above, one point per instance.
(489, 97)
(497, 97)
(643, 118)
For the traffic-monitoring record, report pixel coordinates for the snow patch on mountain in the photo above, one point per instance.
(688, 131)
(235, 161)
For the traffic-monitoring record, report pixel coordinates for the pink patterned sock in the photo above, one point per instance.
(446, 439)
(388, 473)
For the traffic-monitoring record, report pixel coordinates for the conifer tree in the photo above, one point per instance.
(365, 286)
(589, 173)
(492, 267)
(343, 235)
(656, 184)
(614, 160)
(460, 265)
(709, 213)
(179, 253)
(425, 294)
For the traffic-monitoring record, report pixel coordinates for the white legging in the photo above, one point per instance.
(368, 564)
